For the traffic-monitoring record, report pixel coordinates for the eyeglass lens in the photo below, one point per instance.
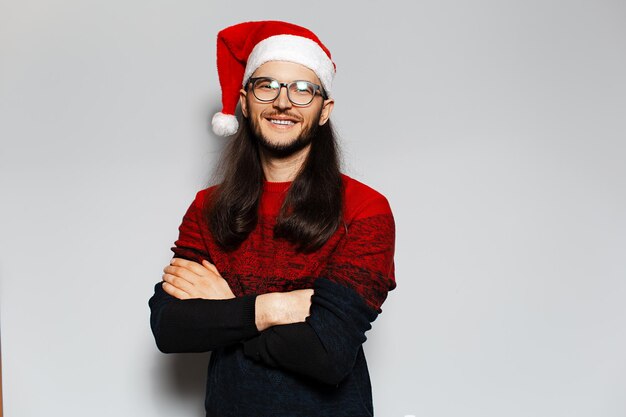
(298, 92)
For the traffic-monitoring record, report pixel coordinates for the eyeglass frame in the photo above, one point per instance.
(317, 88)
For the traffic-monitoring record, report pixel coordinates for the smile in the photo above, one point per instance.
(281, 122)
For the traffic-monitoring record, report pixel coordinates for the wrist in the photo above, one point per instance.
(267, 310)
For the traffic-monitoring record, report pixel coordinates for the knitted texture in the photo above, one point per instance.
(351, 275)
(359, 255)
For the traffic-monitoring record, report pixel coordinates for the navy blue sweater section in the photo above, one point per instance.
(316, 368)
(282, 380)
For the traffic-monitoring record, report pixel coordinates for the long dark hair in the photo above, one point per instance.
(313, 207)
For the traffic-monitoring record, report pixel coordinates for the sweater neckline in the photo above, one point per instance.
(282, 186)
(275, 187)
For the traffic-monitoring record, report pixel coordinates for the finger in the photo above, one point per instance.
(210, 266)
(183, 273)
(178, 282)
(174, 292)
(192, 266)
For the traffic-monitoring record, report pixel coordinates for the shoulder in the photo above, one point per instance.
(361, 200)
(203, 195)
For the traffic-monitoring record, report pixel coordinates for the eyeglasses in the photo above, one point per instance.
(300, 93)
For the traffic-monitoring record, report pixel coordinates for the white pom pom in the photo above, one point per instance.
(224, 124)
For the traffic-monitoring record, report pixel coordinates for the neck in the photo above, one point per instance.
(283, 169)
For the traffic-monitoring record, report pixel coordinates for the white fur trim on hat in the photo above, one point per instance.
(224, 124)
(293, 49)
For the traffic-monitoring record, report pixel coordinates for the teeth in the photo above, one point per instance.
(281, 122)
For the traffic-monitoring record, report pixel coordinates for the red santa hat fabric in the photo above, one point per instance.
(244, 47)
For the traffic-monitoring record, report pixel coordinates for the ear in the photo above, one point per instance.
(243, 102)
(327, 109)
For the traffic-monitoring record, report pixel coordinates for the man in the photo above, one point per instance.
(279, 269)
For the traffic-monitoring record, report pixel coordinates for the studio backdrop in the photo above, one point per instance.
(495, 129)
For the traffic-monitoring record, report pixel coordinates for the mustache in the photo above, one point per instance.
(284, 114)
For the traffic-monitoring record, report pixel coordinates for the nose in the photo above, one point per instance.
(282, 101)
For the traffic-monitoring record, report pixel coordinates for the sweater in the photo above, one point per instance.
(314, 368)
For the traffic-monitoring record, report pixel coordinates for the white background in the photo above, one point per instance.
(495, 128)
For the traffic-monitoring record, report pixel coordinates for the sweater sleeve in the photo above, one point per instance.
(198, 325)
(325, 346)
(347, 299)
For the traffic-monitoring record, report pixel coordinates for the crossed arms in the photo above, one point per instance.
(322, 345)
(314, 332)
(185, 279)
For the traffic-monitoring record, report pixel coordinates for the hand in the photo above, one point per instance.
(186, 279)
(278, 308)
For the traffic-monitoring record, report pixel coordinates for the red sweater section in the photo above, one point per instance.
(358, 255)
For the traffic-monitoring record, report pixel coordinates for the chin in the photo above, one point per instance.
(283, 148)
(279, 140)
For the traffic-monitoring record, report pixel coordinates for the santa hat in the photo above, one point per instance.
(244, 47)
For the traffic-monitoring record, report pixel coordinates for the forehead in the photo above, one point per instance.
(286, 71)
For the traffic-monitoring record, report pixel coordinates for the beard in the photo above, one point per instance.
(283, 150)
